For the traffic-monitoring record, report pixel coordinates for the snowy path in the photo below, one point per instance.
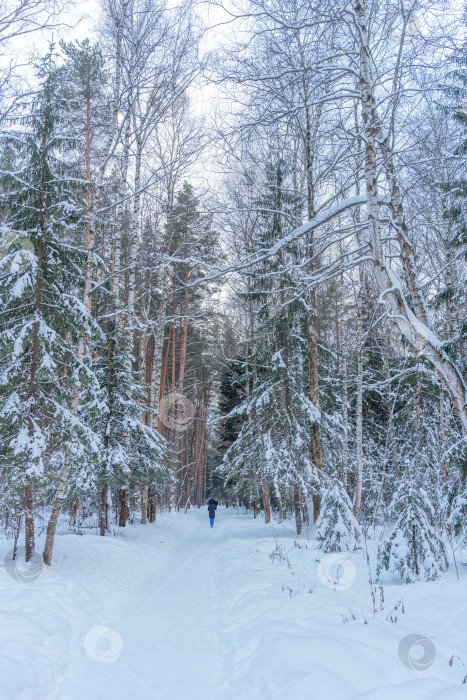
(168, 623)
(178, 610)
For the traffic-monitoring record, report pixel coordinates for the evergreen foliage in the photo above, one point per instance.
(336, 527)
(413, 548)
(40, 288)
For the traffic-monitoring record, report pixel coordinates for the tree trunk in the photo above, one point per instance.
(266, 503)
(107, 150)
(180, 429)
(124, 511)
(28, 493)
(152, 506)
(359, 418)
(345, 418)
(159, 369)
(116, 272)
(442, 428)
(310, 144)
(104, 510)
(144, 503)
(28, 522)
(409, 320)
(298, 510)
(123, 507)
(165, 362)
(312, 346)
(146, 417)
(74, 510)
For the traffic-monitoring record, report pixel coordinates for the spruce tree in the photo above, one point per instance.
(40, 283)
(272, 453)
(413, 548)
(273, 443)
(133, 451)
(337, 527)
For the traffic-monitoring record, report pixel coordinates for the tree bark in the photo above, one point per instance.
(124, 511)
(312, 347)
(104, 509)
(359, 417)
(144, 503)
(28, 522)
(152, 503)
(158, 372)
(345, 418)
(266, 502)
(312, 336)
(410, 321)
(123, 506)
(108, 149)
(181, 433)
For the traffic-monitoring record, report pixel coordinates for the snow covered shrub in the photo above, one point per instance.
(337, 527)
(413, 548)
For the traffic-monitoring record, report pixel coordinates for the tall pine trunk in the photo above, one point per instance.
(108, 149)
(181, 434)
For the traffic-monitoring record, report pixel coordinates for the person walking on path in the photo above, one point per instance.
(212, 505)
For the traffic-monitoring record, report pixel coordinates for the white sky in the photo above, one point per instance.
(82, 21)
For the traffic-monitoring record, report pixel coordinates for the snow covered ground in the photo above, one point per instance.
(244, 610)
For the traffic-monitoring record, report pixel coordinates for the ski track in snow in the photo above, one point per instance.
(194, 612)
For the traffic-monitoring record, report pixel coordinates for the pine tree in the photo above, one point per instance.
(133, 451)
(193, 248)
(271, 457)
(337, 527)
(452, 297)
(40, 283)
(273, 443)
(233, 393)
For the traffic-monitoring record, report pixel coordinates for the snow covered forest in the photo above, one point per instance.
(233, 264)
